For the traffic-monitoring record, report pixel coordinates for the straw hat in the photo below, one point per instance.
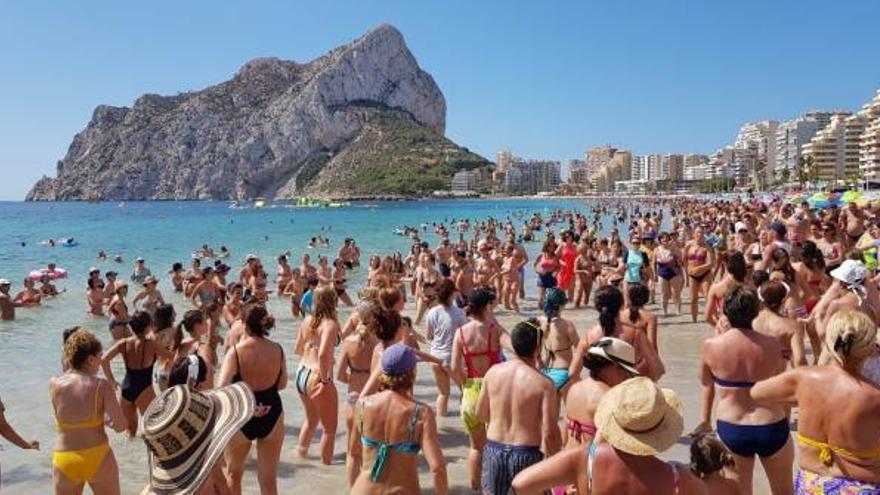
(186, 432)
(639, 418)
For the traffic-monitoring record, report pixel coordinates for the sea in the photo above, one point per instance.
(164, 233)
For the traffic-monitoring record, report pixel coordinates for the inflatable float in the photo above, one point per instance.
(55, 274)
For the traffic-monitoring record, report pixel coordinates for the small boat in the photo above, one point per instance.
(259, 203)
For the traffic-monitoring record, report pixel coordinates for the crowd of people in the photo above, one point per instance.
(789, 296)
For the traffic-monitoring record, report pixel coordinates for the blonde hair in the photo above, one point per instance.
(397, 383)
(79, 347)
(850, 337)
(324, 302)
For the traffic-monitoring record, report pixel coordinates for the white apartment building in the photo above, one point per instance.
(869, 141)
(762, 137)
(793, 135)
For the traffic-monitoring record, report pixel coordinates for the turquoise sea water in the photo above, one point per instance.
(164, 233)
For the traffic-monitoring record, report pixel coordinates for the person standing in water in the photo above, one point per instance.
(139, 354)
(520, 407)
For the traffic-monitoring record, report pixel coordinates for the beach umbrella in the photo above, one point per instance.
(851, 197)
(819, 200)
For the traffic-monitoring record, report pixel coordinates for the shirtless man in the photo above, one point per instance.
(7, 306)
(515, 398)
(852, 223)
(443, 254)
(247, 271)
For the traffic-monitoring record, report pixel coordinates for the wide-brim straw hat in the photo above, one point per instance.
(187, 431)
(639, 418)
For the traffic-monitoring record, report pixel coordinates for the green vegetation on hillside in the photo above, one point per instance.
(394, 155)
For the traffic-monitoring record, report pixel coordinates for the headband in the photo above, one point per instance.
(537, 328)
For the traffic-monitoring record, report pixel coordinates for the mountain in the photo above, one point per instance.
(362, 120)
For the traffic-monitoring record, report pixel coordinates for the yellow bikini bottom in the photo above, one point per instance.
(80, 466)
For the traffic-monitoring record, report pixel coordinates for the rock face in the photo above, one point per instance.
(269, 131)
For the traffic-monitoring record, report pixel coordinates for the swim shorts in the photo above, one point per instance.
(501, 463)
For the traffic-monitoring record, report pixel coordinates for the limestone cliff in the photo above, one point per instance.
(269, 131)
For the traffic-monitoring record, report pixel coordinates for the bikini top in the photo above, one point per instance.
(827, 451)
(96, 421)
(259, 394)
(701, 256)
(491, 355)
(409, 447)
(578, 430)
(547, 264)
(733, 384)
(591, 454)
(551, 353)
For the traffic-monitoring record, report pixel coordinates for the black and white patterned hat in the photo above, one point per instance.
(187, 431)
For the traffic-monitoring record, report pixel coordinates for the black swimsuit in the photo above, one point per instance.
(136, 381)
(261, 427)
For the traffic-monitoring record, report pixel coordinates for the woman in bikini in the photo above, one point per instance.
(318, 335)
(356, 355)
(282, 273)
(391, 428)
(476, 347)
(139, 354)
(95, 297)
(197, 327)
(232, 308)
(258, 362)
(177, 276)
(149, 297)
(547, 265)
(80, 400)
(733, 362)
(427, 278)
(700, 260)
(839, 412)
(510, 278)
(583, 270)
(559, 338)
(118, 311)
(339, 282)
(669, 271)
(780, 268)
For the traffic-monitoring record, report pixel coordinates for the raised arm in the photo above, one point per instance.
(112, 408)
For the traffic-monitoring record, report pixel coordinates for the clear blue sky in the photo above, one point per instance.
(546, 79)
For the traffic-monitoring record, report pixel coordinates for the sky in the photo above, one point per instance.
(544, 79)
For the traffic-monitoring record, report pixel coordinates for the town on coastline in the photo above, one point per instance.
(816, 150)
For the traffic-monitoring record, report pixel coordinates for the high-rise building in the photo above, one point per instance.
(834, 151)
(578, 174)
(467, 181)
(792, 135)
(617, 169)
(653, 168)
(869, 143)
(503, 160)
(672, 167)
(636, 168)
(761, 136)
(597, 157)
(532, 176)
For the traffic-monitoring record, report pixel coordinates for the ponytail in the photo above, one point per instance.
(609, 300)
(178, 337)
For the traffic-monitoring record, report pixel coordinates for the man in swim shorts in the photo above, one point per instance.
(520, 406)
